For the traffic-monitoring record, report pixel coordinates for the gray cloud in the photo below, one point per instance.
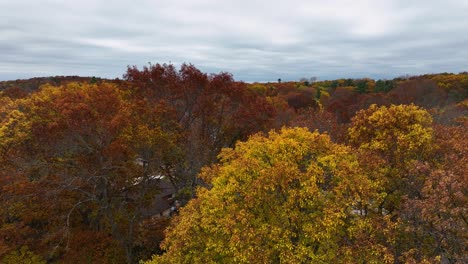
(255, 40)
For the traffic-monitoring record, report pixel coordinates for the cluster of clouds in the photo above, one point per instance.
(255, 40)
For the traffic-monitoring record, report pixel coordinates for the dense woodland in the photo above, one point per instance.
(340, 171)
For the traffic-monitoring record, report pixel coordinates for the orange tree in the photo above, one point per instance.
(70, 181)
(213, 111)
(437, 219)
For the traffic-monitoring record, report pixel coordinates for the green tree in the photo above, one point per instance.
(383, 85)
(362, 86)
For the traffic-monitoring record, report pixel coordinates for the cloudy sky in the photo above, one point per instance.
(252, 39)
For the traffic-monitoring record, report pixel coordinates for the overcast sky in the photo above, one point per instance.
(254, 40)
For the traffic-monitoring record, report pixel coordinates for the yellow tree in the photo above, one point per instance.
(391, 142)
(399, 135)
(289, 197)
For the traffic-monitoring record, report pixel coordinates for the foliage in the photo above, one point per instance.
(422, 92)
(437, 218)
(400, 133)
(24, 256)
(383, 85)
(81, 167)
(323, 121)
(69, 167)
(213, 111)
(423, 181)
(288, 197)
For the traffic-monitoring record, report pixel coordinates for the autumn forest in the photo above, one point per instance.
(173, 165)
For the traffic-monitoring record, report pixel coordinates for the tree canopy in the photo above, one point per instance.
(94, 170)
(288, 197)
